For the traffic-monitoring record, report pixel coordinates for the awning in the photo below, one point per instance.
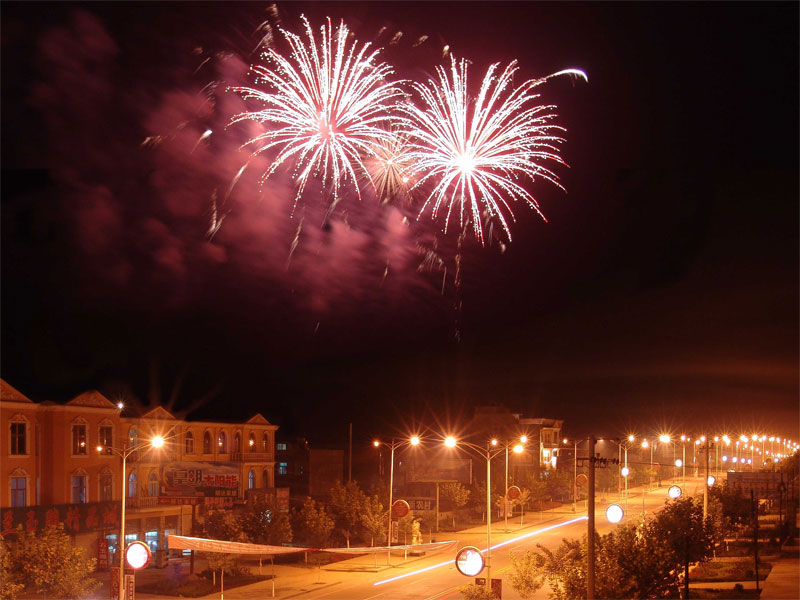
(182, 542)
(370, 549)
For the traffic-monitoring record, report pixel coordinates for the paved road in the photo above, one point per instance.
(435, 577)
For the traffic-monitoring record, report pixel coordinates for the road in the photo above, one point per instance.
(436, 578)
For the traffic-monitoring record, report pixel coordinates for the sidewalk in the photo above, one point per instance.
(783, 581)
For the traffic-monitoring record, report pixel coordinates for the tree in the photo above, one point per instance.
(537, 488)
(312, 524)
(47, 563)
(476, 592)
(355, 514)
(684, 533)
(453, 496)
(736, 508)
(262, 523)
(221, 525)
(9, 589)
(558, 484)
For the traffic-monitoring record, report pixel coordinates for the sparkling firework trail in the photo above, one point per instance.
(388, 167)
(474, 151)
(326, 107)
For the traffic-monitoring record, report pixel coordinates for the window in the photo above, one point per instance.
(252, 442)
(264, 479)
(106, 483)
(153, 485)
(222, 442)
(19, 488)
(107, 438)
(206, 443)
(133, 438)
(18, 441)
(132, 485)
(251, 480)
(283, 468)
(78, 439)
(79, 489)
(264, 443)
(189, 443)
(237, 442)
(280, 447)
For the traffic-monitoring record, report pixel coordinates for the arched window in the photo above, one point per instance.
(252, 442)
(132, 485)
(206, 443)
(153, 485)
(189, 443)
(264, 443)
(237, 442)
(106, 483)
(19, 488)
(251, 480)
(222, 442)
(19, 435)
(79, 480)
(133, 438)
(265, 480)
(79, 439)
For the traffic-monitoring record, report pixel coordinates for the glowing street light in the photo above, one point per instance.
(675, 492)
(412, 441)
(614, 513)
(124, 452)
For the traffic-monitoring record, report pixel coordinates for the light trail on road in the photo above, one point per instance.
(511, 541)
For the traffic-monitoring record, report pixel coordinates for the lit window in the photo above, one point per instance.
(18, 442)
(79, 489)
(264, 443)
(252, 442)
(79, 439)
(132, 485)
(222, 442)
(251, 480)
(107, 439)
(19, 489)
(283, 468)
(133, 438)
(189, 443)
(280, 447)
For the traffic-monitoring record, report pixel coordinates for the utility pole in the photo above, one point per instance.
(350, 457)
(590, 553)
(705, 483)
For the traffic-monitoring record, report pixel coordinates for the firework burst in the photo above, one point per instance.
(389, 167)
(326, 107)
(474, 151)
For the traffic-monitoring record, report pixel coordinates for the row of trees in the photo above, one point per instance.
(44, 563)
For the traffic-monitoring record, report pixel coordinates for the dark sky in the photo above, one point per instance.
(661, 293)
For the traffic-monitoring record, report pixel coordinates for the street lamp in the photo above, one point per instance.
(517, 449)
(489, 454)
(124, 452)
(412, 441)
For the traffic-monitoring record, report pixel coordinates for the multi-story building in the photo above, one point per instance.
(62, 463)
(307, 471)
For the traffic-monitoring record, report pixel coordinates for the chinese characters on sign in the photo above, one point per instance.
(76, 518)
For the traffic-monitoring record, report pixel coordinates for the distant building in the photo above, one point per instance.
(307, 471)
(51, 470)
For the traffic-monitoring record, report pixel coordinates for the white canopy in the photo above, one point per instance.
(182, 542)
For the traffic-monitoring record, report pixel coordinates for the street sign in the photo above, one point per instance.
(395, 530)
(469, 561)
(581, 480)
(137, 555)
(513, 492)
(400, 509)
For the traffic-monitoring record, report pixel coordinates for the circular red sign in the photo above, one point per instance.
(400, 509)
(513, 492)
(469, 561)
(137, 555)
(581, 480)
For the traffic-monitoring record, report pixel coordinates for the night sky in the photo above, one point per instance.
(662, 292)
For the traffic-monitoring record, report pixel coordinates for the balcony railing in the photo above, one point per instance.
(142, 502)
(251, 456)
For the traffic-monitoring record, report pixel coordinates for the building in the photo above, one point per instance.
(61, 463)
(307, 471)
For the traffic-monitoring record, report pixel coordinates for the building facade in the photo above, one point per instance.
(62, 463)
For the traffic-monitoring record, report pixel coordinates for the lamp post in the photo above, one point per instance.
(665, 438)
(517, 448)
(645, 445)
(124, 453)
(486, 452)
(412, 441)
